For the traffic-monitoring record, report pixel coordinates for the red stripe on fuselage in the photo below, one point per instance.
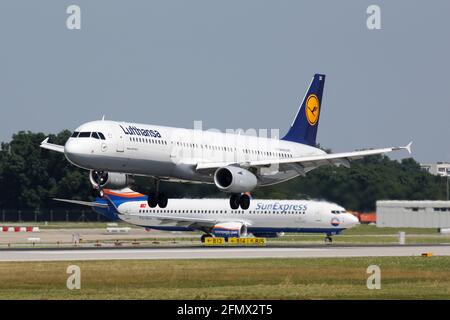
(124, 194)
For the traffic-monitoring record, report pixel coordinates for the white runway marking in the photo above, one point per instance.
(220, 253)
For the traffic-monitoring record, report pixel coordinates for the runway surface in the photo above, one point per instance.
(219, 253)
(89, 234)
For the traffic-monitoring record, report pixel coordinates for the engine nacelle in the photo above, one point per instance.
(111, 180)
(229, 229)
(234, 179)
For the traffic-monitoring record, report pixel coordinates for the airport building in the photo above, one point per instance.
(414, 214)
(439, 168)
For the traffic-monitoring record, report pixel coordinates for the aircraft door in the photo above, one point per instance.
(120, 141)
(317, 215)
(240, 144)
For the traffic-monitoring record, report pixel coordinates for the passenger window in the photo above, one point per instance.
(75, 134)
(84, 135)
(95, 135)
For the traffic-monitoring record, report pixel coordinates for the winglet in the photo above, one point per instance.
(408, 147)
(51, 146)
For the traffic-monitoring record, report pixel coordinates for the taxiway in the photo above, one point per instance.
(220, 253)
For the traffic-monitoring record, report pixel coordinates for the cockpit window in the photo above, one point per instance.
(84, 135)
(95, 135)
(337, 211)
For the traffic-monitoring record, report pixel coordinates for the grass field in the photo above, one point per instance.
(330, 278)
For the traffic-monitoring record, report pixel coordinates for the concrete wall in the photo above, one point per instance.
(416, 214)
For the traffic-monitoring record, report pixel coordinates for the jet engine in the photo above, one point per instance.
(234, 179)
(111, 180)
(229, 229)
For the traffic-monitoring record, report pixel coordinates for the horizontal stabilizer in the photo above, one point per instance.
(84, 203)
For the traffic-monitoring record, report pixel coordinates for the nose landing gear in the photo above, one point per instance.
(97, 192)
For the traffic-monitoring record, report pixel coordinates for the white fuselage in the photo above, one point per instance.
(263, 216)
(173, 153)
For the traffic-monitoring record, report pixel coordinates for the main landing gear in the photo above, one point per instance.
(157, 198)
(204, 236)
(239, 200)
(328, 239)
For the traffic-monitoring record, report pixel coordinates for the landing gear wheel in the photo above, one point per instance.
(155, 198)
(328, 240)
(97, 193)
(162, 200)
(244, 201)
(234, 201)
(204, 236)
(152, 200)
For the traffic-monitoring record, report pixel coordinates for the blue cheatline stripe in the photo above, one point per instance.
(260, 230)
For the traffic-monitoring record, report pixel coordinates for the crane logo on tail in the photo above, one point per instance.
(312, 109)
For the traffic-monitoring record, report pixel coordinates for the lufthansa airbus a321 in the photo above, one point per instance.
(235, 163)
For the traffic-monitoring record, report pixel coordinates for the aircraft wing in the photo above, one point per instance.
(51, 146)
(186, 220)
(308, 162)
(196, 223)
(84, 203)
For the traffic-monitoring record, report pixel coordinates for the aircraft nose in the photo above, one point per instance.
(75, 152)
(351, 220)
(72, 147)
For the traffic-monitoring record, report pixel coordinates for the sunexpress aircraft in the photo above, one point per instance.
(213, 217)
(113, 151)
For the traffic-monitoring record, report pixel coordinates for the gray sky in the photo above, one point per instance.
(232, 64)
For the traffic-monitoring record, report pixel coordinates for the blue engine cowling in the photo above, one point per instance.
(229, 230)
